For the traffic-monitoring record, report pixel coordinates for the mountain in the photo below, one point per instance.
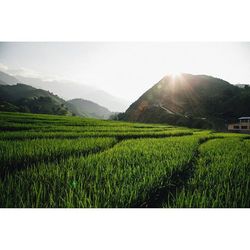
(6, 79)
(87, 108)
(71, 90)
(24, 98)
(191, 100)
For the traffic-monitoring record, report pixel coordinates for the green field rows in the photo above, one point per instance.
(120, 177)
(222, 176)
(15, 155)
(59, 161)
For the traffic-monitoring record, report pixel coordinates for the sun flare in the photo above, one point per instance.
(175, 73)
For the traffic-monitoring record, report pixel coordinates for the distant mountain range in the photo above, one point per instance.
(20, 97)
(69, 90)
(191, 100)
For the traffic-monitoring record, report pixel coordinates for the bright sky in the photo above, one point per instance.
(125, 69)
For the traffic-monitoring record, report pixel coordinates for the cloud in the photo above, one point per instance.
(55, 78)
(29, 73)
(3, 67)
(25, 72)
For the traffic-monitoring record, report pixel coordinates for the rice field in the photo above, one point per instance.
(71, 162)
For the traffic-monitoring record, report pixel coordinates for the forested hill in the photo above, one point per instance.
(24, 98)
(191, 100)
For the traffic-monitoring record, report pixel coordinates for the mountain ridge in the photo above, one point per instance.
(69, 90)
(25, 98)
(195, 101)
(88, 108)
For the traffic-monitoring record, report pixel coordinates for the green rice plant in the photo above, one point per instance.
(24, 135)
(52, 120)
(222, 176)
(126, 175)
(232, 135)
(15, 155)
(60, 161)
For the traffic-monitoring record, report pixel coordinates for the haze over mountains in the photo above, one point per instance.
(87, 108)
(6, 79)
(69, 90)
(19, 97)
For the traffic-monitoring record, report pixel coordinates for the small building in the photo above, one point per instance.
(242, 126)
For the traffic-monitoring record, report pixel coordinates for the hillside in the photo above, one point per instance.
(86, 108)
(24, 98)
(191, 100)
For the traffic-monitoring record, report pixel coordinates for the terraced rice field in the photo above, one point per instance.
(59, 161)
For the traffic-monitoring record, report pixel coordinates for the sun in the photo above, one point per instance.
(175, 73)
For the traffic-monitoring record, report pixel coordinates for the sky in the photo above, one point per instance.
(125, 69)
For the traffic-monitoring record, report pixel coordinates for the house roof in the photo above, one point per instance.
(245, 118)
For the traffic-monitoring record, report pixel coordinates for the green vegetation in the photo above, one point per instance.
(24, 98)
(60, 161)
(222, 176)
(18, 154)
(123, 176)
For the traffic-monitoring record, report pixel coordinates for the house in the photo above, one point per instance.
(242, 126)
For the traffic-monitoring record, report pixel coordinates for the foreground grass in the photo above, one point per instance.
(58, 161)
(15, 155)
(123, 176)
(222, 176)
